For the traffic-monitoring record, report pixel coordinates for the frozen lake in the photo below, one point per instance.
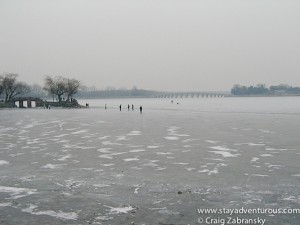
(97, 166)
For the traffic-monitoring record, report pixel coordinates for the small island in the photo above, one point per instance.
(263, 90)
(16, 94)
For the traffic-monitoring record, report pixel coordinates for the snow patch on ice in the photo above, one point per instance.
(180, 163)
(5, 204)
(274, 149)
(122, 138)
(103, 218)
(225, 154)
(266, 131)
(73, 183)
(104, 150)
(189, 140)
(254, 159)
(27, 178)
(60, 214)
(3, 162)
(173, 129)
(251, 144)
(101, 185)
(153, 146)
(259, 175)
(80, 131)
(292, 199)
(137, 150)
(16, 193)
(103, 137)
(266, 155)
(212, 142)
(164, 153)
(170, 138)
(65, 157)
(131, 159)
(222, 148)
(151, 164)
(106, 165)
(14, 155)
(119, 210)
(160, 168)
(53, 166)
(110, 143)
(296, 175)
(209, 172)
(106, 156)
(167, 211)
(135, 133)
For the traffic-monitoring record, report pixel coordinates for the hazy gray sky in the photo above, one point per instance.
(153, 44)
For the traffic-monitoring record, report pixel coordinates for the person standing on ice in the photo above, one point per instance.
(141, 109)
(120, 107)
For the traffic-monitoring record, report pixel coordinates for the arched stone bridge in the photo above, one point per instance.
(28, 102)
(192, 95)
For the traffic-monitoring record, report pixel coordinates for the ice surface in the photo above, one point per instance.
(67, 167)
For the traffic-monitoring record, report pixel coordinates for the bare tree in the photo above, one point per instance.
(37, 91)
(1, 86)
(55, 86)
(72, 87)
(11, 87)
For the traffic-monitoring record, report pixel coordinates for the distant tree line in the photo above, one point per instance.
(261, 89)
(285, 89)
(112, 92)
(62, 89)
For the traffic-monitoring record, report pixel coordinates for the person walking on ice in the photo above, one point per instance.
(141, 109)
